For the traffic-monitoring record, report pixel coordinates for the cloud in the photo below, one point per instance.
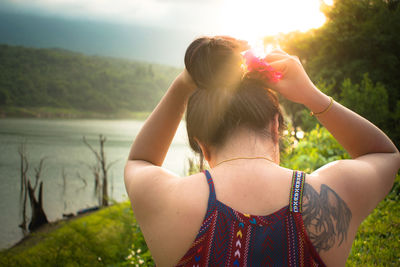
(183, 14)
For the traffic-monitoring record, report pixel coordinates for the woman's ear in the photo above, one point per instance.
(204, 149)
(274, 128)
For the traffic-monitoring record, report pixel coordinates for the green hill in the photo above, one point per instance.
(59, 82)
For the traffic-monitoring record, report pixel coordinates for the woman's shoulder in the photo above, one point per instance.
(329, 216)
(362, 182)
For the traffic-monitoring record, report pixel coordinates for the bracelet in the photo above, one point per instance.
(322, 112)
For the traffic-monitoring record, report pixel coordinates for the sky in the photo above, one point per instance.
(183, 20)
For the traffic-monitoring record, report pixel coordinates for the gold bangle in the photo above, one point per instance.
(322, 112)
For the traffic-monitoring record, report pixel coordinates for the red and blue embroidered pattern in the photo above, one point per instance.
(230, 238)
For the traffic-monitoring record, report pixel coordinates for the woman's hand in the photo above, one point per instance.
(295, 84)
(185, 82)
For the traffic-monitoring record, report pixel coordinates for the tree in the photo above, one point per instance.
(367, 99)
(100, 170)
(360, 36)
(38, 217)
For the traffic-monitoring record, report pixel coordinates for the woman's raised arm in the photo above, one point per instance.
(357, 135)
(366, 179)
(152, 142)
(146, 183)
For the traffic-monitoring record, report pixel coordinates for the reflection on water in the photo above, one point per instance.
(60, 141)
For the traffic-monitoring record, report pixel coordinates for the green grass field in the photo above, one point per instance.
(103, 238)
(378, 239)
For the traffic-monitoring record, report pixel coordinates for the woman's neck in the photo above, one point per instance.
(245, 143)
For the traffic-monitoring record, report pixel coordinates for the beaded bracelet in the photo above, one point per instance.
(322, 112)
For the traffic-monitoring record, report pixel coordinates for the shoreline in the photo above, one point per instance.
(32, 238)
(102, 238)
(65, 113)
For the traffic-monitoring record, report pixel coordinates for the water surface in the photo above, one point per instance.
(60, 142)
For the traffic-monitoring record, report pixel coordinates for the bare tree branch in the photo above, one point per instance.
(23, 189)
(81, 178)
(100, 169)
(64, 178)
(109, 165)
(38, 172)
(91, 148)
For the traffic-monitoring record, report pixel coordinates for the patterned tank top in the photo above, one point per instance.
(230, 238)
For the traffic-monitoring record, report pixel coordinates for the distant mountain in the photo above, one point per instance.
(96, 38)
(60, 79)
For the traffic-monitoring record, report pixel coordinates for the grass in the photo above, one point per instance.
(378, 239)
(111, 237)
(103, 238)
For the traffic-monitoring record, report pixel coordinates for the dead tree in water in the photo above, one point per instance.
(102, 164)
(38, 217)
(23, 192)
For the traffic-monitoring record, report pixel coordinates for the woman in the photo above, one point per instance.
(247, 210)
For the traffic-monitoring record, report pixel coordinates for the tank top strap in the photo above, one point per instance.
(212, 198)
(296, 191)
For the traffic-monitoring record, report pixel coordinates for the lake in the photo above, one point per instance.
(60, 142)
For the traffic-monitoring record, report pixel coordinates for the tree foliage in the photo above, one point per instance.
(359, 38)
(367, 99)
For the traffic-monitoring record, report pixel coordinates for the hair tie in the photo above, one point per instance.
(261, 66)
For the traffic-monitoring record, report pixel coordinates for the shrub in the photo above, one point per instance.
(317, 148)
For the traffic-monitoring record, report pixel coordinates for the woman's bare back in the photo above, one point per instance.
(257, 189)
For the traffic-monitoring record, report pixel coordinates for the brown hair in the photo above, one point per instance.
(226, 97)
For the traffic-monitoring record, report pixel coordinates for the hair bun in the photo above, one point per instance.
(215, 62)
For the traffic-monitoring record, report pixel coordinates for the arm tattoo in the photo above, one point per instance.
(326, 217)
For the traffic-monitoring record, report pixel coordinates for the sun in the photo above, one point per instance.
(253, 19)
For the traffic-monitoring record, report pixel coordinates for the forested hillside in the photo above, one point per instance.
(60, 79)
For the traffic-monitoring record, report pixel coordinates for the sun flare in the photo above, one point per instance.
(253, 19)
